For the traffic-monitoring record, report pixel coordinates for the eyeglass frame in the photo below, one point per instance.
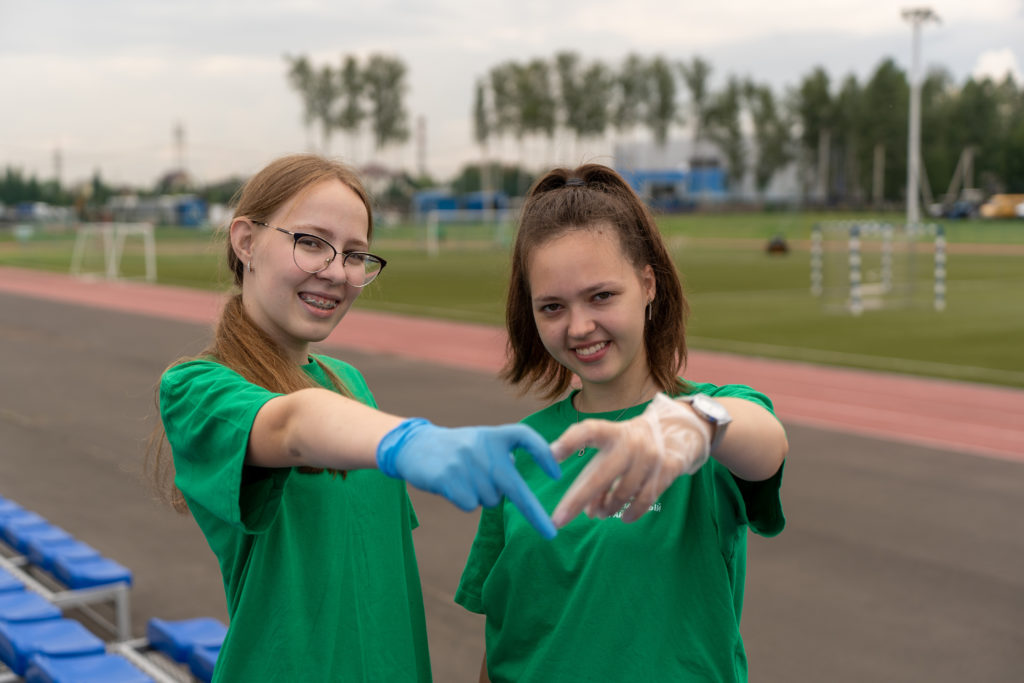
(296, 236)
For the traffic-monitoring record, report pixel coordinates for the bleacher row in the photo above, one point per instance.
(44, 571)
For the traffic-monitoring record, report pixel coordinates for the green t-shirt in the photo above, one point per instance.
(319, 570)
(655, 600)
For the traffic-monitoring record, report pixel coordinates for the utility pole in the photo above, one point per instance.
(58, 166)
(917, 16)
(179, 145)
(421, 146)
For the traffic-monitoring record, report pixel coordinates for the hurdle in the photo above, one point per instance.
(940, 269)
(860, 294)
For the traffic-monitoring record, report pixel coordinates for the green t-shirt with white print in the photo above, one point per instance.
(658, 599)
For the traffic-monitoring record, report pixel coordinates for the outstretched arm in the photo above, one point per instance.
(755, 444)
(638, 459)
(470, 466)
(317, 428)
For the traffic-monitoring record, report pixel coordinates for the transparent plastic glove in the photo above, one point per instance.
(469, 466)
(636, 460)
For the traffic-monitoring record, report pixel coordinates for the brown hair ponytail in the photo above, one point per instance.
(245, 348)
(579, 199)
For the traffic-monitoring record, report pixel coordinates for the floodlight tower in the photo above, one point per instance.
(917, 16)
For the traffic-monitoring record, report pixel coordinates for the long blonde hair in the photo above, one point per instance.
(238, 342)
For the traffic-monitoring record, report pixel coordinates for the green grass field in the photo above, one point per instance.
(742, 299)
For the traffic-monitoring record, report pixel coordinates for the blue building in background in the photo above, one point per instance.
(190, 212)
(478, 201)
(186, 210)
(675, 190)
(425, 201)
(675, 175)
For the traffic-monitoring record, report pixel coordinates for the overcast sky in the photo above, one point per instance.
(105, 82)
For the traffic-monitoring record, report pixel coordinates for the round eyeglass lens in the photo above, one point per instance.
(361, 268)
(312, 254)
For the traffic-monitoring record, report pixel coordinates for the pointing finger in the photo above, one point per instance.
(522, 497)
(590, 486)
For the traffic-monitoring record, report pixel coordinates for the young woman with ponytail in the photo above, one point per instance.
(648, 584)
(294, 476)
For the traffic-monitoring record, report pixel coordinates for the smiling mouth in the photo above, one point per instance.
(323, 303)
(587, 351)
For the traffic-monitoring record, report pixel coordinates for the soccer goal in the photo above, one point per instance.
(110, 239)
(467, 229)
(859, 266)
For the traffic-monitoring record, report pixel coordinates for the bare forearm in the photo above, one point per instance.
(754, 444)
(317, 428)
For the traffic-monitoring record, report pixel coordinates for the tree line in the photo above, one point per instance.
(848, 139)
(352, 96)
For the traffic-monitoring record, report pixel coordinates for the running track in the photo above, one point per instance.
(957, 416)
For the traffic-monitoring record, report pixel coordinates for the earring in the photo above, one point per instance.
(650, 309)
(249, 266)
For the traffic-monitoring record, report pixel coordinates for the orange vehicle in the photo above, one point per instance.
(1003, 206)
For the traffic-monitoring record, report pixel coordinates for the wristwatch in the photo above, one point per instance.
(713, 412)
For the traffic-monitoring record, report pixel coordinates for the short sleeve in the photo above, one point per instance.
(208, 411)
(739, 391)
(762, 505)
(483, 554)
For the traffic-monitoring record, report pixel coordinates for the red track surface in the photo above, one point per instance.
(958, 416)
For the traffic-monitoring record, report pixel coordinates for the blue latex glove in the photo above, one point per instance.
(469, 466)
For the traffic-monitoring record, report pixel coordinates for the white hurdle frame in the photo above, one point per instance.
(857, 289)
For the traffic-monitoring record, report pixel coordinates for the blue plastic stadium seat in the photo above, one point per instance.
(89, 572)
(201, 661)
(9, 507)
(177, 638)
(105, 668)
(23, 605)
(51, 637)
(43, 552)
(9, 582)
(21, 532)
(15, 521)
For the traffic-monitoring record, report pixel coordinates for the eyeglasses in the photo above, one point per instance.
(313, 254)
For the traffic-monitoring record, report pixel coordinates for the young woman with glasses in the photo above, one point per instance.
(648, 584)
(295, 478)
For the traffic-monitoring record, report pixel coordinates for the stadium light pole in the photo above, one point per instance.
(917, 16)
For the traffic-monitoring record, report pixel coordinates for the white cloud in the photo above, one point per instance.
(997, 65)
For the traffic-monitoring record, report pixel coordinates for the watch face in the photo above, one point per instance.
(712, 409)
